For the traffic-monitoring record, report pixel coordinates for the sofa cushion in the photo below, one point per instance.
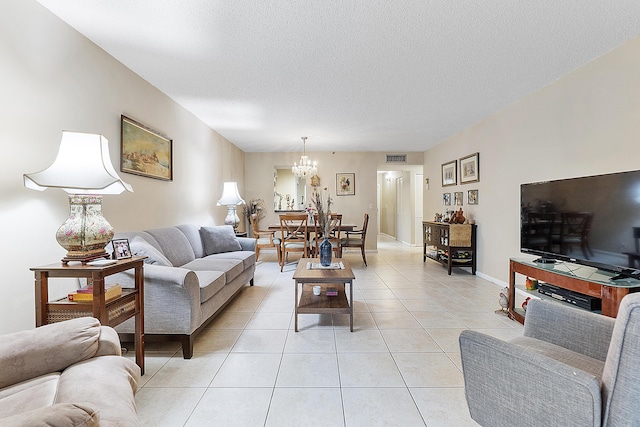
(26, 354)
(232, 268)
(28, 395)
(210, 283)
(140, 247)
(99, 381)
(174, 244)
(219, 239)
(248, 258)
(192, 232)
(561, 354)
(59, 415)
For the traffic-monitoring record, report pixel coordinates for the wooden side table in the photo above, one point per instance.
(111, 313)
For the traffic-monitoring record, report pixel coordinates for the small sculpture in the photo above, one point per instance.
(457, 218)
(504, 301)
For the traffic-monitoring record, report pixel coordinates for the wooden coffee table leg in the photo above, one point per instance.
(351, 304)
(296, 307)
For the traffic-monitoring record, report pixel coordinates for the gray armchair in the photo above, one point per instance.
(570, 368)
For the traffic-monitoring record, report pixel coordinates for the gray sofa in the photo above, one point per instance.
(191, 272)
(66, 374)
(571, 368)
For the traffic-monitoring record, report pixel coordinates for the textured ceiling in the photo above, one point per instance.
(353, 75)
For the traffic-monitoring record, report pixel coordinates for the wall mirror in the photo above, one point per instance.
(289, 191)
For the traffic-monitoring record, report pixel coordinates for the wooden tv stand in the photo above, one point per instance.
(577, 278)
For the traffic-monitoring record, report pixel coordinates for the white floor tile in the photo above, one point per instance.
(428, 370)
(308, 370)
(369, 370)
(248, 370)
(443, 407)
(308, 407)
(383, 407)
(232, 407)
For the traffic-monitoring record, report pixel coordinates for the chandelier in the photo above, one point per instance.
(305, 168)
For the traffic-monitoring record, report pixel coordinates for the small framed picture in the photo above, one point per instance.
(345, 184)
(446, 199)
(449, 173)
(121, 249)
(457, 198)
(470, 168)
(472, 197)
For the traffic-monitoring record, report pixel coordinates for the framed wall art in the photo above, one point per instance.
(472, 197)
(470, 168)
(345, 184)
(457, 198)
(449, 173)
(446, 199)
(144, 151)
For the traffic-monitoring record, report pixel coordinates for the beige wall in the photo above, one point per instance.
(54, 79)
(583, 124)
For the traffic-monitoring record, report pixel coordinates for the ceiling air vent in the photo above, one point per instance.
(396, 158)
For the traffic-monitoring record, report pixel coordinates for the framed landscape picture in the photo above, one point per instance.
(145, 151)
(449, 173)
(345, 184)
(469, 169)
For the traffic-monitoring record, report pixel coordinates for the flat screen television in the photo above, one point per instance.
(591, 220)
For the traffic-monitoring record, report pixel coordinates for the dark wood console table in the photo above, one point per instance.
(110, 313)
(585, 280)
(437, 235)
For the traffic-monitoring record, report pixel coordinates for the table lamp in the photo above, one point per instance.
(83, 169)
(231, 198)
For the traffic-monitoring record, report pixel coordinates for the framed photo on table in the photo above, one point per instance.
(449, 173)
(121, 249)
(144, 151)
(345, 184)
(469, 168)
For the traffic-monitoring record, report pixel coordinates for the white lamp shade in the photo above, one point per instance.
(230, 195)
(83, 166)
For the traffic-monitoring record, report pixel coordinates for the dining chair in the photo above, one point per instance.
(537, 233)
(574, 229)
(334, 234)
(293, 236)
(356, 239)
(264, 238)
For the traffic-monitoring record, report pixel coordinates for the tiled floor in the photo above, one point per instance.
(400, 366)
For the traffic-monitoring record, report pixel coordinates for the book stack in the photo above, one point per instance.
(332, 292)
(86, 293)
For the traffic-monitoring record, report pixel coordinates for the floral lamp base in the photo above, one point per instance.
(86, 232)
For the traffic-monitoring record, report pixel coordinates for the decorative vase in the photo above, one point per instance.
(86, 232)
(325, 253)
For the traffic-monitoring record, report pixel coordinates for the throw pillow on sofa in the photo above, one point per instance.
(218, 239)
(141, 247)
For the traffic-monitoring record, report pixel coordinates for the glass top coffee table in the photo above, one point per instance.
(309, 274)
